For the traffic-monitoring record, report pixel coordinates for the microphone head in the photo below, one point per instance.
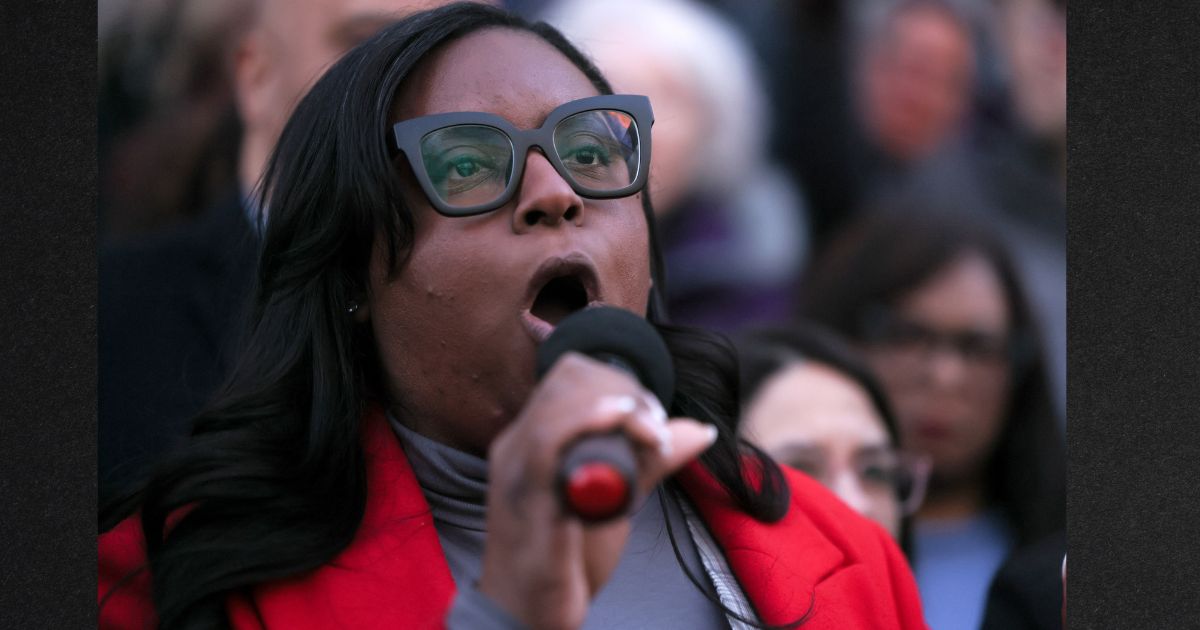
(607, 333)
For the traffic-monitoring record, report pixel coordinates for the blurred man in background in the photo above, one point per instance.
(915, 78)
(169, 302)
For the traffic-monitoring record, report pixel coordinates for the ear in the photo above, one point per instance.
(251, 73)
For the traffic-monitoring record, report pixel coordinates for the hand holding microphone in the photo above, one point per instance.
(544, 560)
(596, 480)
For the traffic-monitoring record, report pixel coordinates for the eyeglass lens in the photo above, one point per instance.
(882, 471)
(599, 148)
(974, 346)
(468, 165)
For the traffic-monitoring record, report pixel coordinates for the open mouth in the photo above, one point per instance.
(561, 286)
(560, 297)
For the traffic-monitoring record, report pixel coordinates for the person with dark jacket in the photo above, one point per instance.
(1027, 592)
(167, 311)
(170, 302)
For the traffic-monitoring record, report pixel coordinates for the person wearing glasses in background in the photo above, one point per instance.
(928, 292)
(811, 403)
(383, 455)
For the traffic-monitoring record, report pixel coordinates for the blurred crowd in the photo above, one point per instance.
(867, 196)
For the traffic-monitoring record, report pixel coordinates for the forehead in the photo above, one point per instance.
(302, 19)
(812, 402)
(931, 28)
(967, 293)
(514, 74)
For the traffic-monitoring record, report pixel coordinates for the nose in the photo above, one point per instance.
(544, 197)
(847, 487)
(947, 368)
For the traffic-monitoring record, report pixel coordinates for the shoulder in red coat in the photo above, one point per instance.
(821, 560)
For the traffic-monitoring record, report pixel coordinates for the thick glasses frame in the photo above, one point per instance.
(912, 486)
(407, 136)
(876, 321)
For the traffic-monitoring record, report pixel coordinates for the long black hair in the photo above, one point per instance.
(894, 249)
(764, 352)
(272, 481)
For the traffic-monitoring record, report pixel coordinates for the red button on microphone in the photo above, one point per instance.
(596, 491)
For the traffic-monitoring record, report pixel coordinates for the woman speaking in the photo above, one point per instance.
(383, 454)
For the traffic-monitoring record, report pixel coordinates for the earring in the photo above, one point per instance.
(352, 308)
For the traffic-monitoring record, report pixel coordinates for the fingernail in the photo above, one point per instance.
(665, 448)
(648, 419)
(712, 434)
(656, 410)
(616, 404)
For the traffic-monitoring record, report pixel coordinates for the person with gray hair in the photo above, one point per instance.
(734, 226)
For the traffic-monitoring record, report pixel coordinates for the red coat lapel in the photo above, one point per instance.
(394, 574)
(777, 564)
(821, 559)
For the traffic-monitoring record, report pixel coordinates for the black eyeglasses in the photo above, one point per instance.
(471, 162)
(883, 327)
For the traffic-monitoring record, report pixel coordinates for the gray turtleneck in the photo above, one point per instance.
(648, 589)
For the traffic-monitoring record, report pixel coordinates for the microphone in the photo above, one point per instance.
(597, 475)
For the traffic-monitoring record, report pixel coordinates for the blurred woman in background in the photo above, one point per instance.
(812, 404)
(932, 298)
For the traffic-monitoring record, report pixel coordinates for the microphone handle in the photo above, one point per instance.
(598, 474)
(597, 477)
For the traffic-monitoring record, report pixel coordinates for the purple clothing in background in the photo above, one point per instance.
(718, 276)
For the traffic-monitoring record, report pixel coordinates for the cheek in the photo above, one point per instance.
(992, 409)
(451, 371)
(434, 319)
(886, 512)
(428, 283)
(627, 250)
(407, 315)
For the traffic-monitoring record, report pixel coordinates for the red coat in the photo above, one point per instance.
(394, 575)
